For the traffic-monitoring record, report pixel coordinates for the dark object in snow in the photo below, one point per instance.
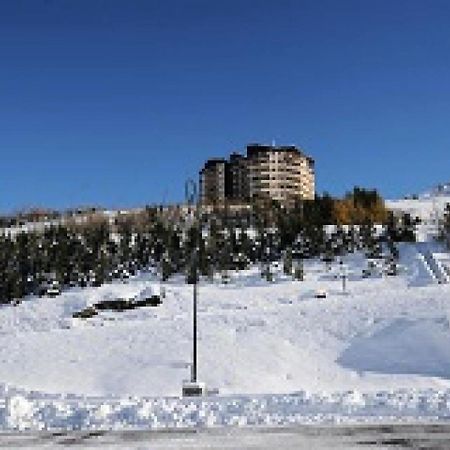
(50, 287)
(85, 313)
(193, 389)
(122, 304)
(119, 305)
(321, 293)
(154, 300)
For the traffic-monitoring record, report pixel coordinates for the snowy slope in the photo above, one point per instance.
(428, 206)
(270, 338)
(383, 335)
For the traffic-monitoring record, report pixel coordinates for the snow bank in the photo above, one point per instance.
(28, 411)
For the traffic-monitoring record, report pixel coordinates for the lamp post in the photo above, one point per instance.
(344, 274)
(194, 387)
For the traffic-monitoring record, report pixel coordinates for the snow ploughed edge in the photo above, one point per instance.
(32, 411)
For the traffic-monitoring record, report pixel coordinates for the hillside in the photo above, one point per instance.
(386, 336)
(427, 206)
(269, 352)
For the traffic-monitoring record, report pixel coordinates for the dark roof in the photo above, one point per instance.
(253, 149)
(214, 162)
(235, 156)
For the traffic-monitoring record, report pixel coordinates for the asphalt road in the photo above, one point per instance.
(429, 436)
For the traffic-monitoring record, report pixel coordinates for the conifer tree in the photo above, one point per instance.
(287, 261)
(445, 226)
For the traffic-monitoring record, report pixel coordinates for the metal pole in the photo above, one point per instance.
(194, 388)
(194, 333)
(191, 197)
(196, 279)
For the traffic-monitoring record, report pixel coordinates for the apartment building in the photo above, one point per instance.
(237, 178)
(213, 177)
(282, 173)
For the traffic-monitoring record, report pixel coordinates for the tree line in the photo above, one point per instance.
(197, 243)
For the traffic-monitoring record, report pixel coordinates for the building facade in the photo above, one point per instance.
(238, 183)
(213, 181)
(282, 173)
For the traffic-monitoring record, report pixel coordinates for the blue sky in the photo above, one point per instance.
(117, 103)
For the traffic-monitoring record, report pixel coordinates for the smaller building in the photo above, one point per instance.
(213, 180)
(238, 187)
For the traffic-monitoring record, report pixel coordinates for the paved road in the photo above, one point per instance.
(436, 437)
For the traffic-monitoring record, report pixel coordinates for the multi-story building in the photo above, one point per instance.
(238, 186)
(282, 173)
(213, 176)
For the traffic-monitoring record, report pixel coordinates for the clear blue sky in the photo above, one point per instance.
(117, 102)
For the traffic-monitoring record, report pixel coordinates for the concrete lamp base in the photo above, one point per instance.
(193, 389)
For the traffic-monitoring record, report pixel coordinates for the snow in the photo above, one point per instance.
(423, 207)
(404, 346)
(277, 354)
(22, 411)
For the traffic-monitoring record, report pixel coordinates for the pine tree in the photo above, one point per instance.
(445, 227)
(408, 228)
(165, 268)
(287, 261)
(299, 271)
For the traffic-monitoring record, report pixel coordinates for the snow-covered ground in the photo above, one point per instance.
(277, 354)
(428, 206)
